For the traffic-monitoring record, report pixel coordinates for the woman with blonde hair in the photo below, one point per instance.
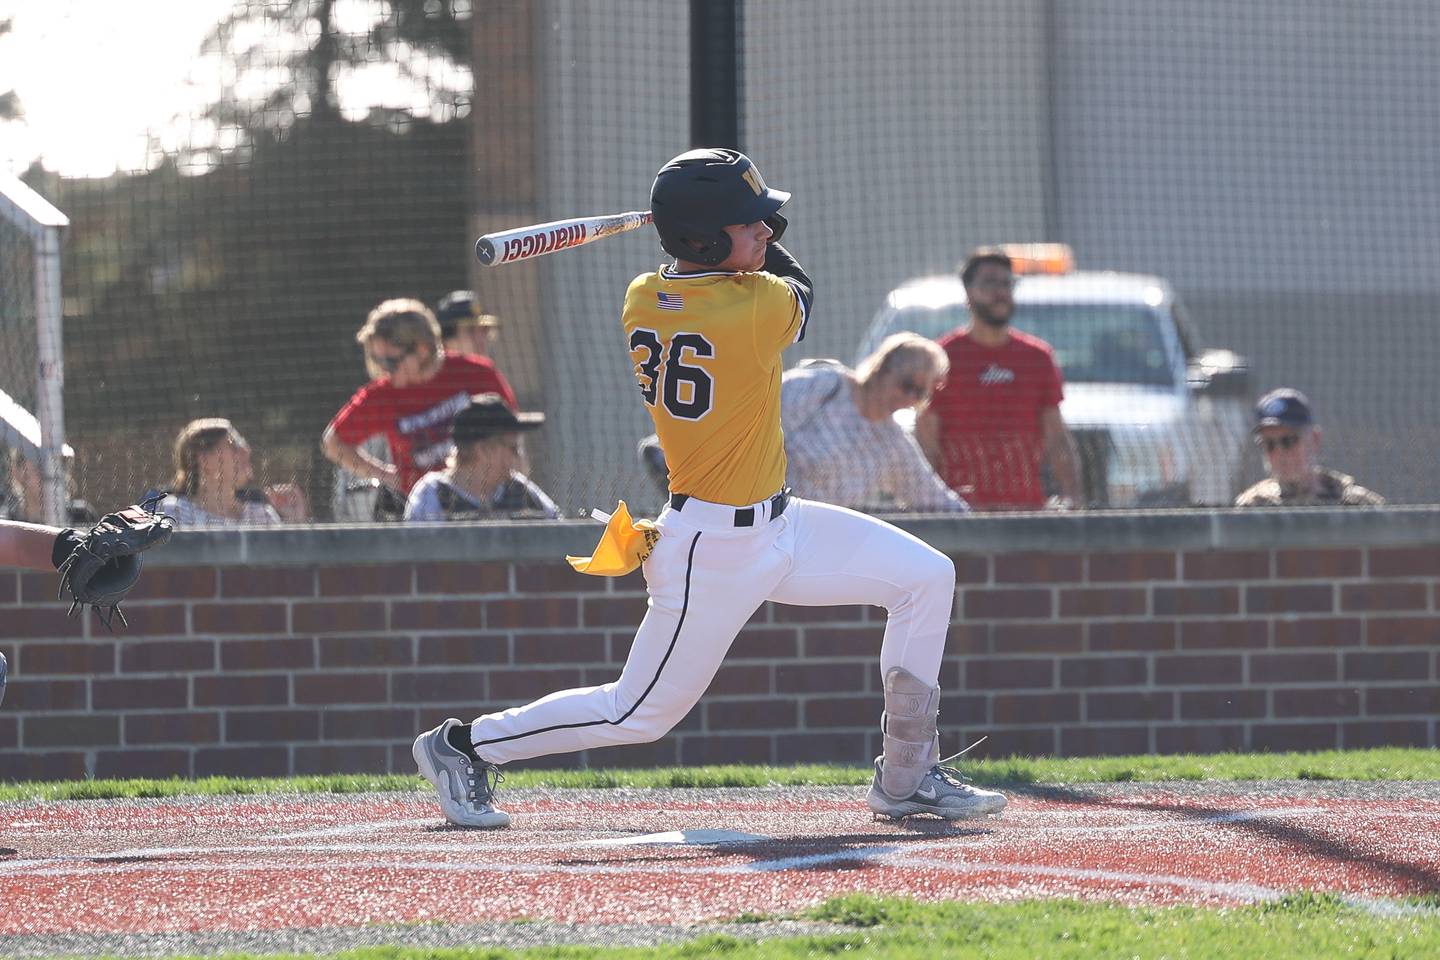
(210, 487)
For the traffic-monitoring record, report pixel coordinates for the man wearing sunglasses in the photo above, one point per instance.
(1287, 436)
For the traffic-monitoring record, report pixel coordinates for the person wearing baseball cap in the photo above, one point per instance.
(464, 327)
(483, 480)
(1287, 435)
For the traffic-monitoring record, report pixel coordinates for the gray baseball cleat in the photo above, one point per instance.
(943, 793)
(466, 793)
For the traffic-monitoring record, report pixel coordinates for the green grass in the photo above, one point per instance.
(1381, 764)
(1305, 925)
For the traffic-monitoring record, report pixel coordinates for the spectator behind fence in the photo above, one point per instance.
(483, 478)
(23, 499)
(464, 327)
(1289, 438)
(996, 416)
(211, 485)
(416, 390)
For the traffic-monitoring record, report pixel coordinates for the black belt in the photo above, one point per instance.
(744, 516)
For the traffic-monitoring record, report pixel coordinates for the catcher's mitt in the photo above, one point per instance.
(105, 561)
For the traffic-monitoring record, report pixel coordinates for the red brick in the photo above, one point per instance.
(436, 615)
(89, 730)
(969, 638)
(1404, 562)
(697, 751)
(467, 578)
(271, 726)
(996, 673)
(1384, 597)
(971, 568)
(1389, 665)
(817, 748)
(861, 641)
(154, 620)
(1104, 741)
(983, 604)
(524, 685)
(247, 618)
(340, 688)
(465, 649)
(962, 709)
(723, 715)
(532, 613)
(1103, 672)
(1137, 705)
(1316, 564)
(255, 582)
(1283, 737)
(1107, 636)
(1149, 565)
(19, 766)
(38, 588)
(820, 678)
(783, 643)
(1224, 634)
(241, 691)
(242, 761)
(25, 694)
(46, 658)
(1192, 670)
(1402, 631)
(1297, 598)
(1196, 601)
(841, 711)
(1103, 602)
(1317, 632)
(1226, 565)
(1038, 637)
(139, 693)
(1012, 742)
(9, 587)
(787, 613)
(1200, 738)
(176, 583)
(9, 733)
(1025, 708)
(366, 651)
(190, 726)
(167, 656)
(369, 724)
(661, 753)
(48, 621)
(1293, 667)
(556, 578)
(277, 653)
(737, 680)
(367, 580)
(1392, 701)
(1365, 734)
(326, 759)
(1040, 567)
(460, 686)
(341, 616)
(547, 648)
(613, 611)
(1316, 702)
(151, 764)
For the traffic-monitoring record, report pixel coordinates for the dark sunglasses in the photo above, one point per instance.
(910, 388)
(391, 364)
(1271, 444)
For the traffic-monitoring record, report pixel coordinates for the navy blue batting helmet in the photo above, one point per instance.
(699, 193)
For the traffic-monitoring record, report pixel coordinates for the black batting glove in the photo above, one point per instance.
(777, 225)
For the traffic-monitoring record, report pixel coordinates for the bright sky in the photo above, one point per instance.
(98, 79)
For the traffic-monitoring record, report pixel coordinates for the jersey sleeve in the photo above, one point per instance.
(359, 419)
(780, 265)
(1052, 388)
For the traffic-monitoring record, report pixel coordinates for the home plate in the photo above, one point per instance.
(678, 837)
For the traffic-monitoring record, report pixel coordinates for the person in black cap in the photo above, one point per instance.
(463, 326)
(1286, 433)
(482, 479)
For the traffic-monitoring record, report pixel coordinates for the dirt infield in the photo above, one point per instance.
(277, 872)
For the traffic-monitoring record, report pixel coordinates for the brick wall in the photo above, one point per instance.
(254, 653)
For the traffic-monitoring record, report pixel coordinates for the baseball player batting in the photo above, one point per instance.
(706, 335)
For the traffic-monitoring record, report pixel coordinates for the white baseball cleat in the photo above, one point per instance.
(466, 792)
(942, 792)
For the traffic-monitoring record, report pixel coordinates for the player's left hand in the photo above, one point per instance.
(104, 562)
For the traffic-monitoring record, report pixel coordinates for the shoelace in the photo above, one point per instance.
(490, 776)
(945, 773)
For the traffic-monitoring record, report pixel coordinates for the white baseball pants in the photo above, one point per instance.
(705, 578)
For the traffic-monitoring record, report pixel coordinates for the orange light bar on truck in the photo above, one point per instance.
(1040, 257)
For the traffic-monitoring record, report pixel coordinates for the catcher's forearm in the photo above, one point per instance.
(32, 546)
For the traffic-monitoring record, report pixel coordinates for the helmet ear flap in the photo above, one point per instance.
(700, 247)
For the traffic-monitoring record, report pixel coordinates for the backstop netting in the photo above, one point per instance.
(1259, 177)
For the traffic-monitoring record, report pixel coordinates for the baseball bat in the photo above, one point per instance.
(523, 243)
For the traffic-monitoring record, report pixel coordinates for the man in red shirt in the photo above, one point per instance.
(416, 391)
(996, 416)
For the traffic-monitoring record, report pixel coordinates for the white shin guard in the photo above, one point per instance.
(912, 744)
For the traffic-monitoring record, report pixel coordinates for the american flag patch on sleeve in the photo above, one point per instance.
(669, 301)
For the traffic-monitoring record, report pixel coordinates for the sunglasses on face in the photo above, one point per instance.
(391, 364)
(914, 389)
(995, 283)
(1283, 442)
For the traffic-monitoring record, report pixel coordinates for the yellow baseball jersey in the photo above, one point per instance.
(706, 349)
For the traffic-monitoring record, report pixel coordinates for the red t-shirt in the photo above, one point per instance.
(989, 408)
(416, 420)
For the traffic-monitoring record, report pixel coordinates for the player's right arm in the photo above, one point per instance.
(779, 263)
